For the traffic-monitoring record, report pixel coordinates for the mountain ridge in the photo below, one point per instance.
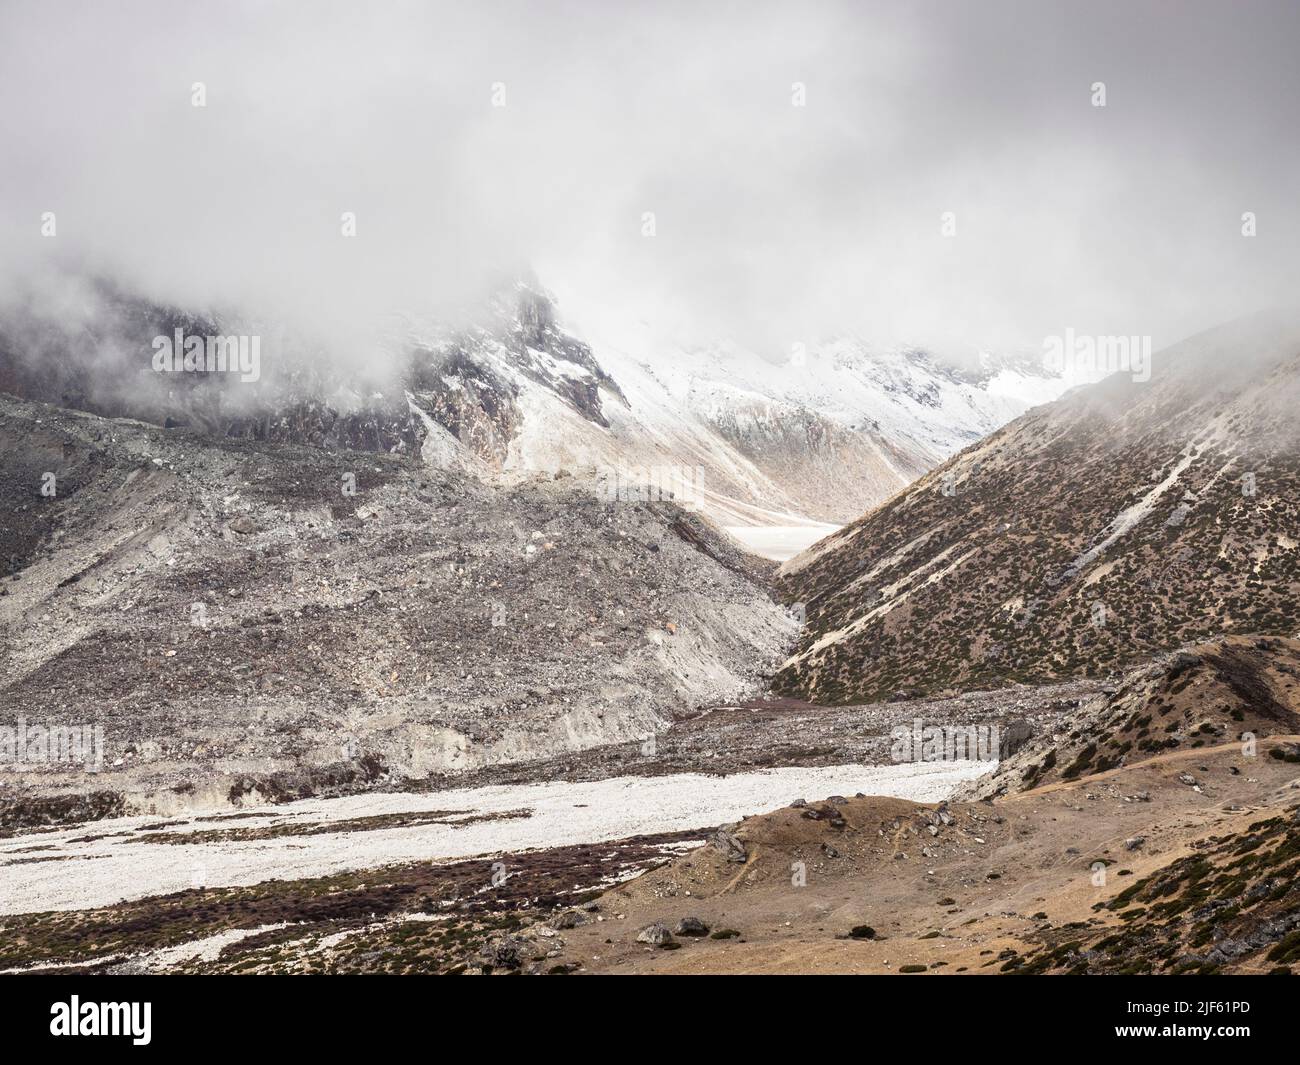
(516, 393)
(1083, 536)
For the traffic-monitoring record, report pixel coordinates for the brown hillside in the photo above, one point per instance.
(1126, 519)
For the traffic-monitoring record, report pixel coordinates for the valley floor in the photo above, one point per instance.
(1050, 879)
(779, 542)
(130, 858)
(1134, 870)
(623, 808)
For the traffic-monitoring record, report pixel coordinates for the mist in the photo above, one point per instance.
(470, 142)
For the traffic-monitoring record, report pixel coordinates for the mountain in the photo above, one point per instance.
(272, 617)
(1204, 696)
(1142, 835)
(813, 440)
(511, 391)
(1127, 518)
(88, 344)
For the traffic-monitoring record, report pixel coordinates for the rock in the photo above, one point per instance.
(824, 813)
(1014, 735)
(798, 804)
(656, 934)
(244, 525)
(862, 931)
(504, 952)
(1134, 843)
(1186, 778)
(729, 845)
(569, 919)
(692, 926)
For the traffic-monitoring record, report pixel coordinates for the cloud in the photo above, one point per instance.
(773, 223)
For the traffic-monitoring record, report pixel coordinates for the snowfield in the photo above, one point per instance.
(106, 862)
(817, 434)
(779, 542)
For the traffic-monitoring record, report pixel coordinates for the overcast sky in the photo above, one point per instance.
(773, 222)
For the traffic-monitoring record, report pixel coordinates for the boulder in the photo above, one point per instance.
(729, 845)
(692, 926)
(504, 952)
(569, 919)
(656, 934)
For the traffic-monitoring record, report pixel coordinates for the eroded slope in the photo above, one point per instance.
(233, 610)
(1126, 519)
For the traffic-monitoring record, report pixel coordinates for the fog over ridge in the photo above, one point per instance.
(773, 223)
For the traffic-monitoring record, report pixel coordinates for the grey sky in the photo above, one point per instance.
(774, 223)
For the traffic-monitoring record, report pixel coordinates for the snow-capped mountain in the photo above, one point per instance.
(818, 439)
(811, 442)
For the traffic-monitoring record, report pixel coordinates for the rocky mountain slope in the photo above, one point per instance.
(1241, 689)
(281, 618)
(821, 436)
(1076, 878)
(1123, 520)
(512, 391)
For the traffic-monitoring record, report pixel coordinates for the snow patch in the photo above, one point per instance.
(102, 871)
